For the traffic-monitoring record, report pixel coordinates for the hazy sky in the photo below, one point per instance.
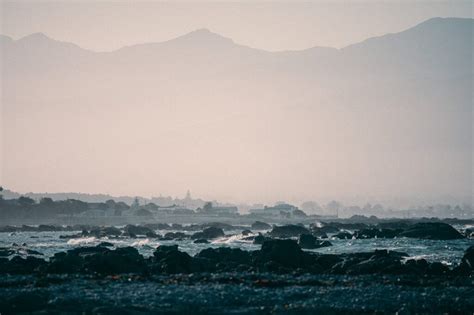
(269, 25)
(256, 137)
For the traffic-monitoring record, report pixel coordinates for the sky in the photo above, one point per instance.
(268, 25)
(260, 141)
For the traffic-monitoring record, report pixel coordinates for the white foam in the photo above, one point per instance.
(82, 240)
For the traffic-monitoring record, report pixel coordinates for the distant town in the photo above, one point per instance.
(72, 207)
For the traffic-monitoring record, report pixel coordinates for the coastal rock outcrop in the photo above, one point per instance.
(208, 233)
(307, 241)
(432, 231)
(285, 231)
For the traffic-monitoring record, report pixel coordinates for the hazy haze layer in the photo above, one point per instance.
(389, 117)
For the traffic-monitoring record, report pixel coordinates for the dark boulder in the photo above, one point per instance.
(343, 235)
(174, 235)
(120, 260)
(288, 231)
(137, 230)
(18, 265)
(168, 259)
(105, 244)
(259, 225)
(466, 266)
(48, 228)
(259, 239)
(379, 261)
(286, 253)
(73, 260)
(322, 229)
(5, 252)
(201, 241)
(209, 233)
(102, 231)
(246, 232)
(432, 231)
(307, 241)
(224, 258)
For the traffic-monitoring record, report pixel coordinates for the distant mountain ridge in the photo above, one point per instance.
(201, 105)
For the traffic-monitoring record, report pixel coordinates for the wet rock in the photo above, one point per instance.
(343, 235)
(259, 225)
(209, 233)
(137, 230)
(259, 239)
(432, 231)
(246, 232)
(307, 241)
(5, 252)
(18, 265)
(105, 244)
(201, 241)
(224, 258)
(120, 260)
(8, 229)
(73, 260)
(469, 232)
(288, 231)
(379, 261)
(317, 229)
(48, 228)
(286, 253)
(99, 232)
(377, 233)
(174, 235)
(467, 263)
(168, 259)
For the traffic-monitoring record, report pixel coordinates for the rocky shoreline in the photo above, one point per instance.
(100, 280)
(278, 278)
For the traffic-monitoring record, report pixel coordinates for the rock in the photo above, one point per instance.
(246, 232)
(5, 252)
(209, 233)
(324, 229)
(469, 232)
(174, 235)
(48, 228)
(379, 261)
(377, 233)
(168, 259)
(432, 231)
(225, 258)
(259, 225)
(73, 260)
(307, 241)
(343, 236)
(259, 239)
(120, 260)
(286, 253)
(105, 244)
(468, 257)
(102, 232)
(467, 263)
(138, 230)
(18, 265)
(201, 241)
(288, 231)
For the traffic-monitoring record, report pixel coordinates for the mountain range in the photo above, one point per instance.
(389, 114)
